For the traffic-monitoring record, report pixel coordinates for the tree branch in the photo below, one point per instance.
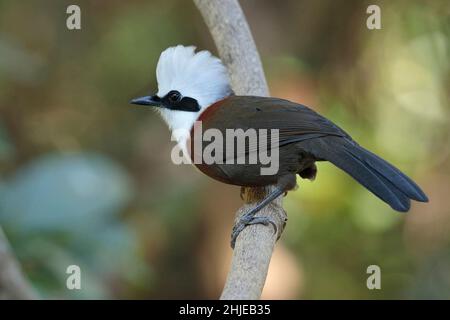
(255, 244)
(12, 282)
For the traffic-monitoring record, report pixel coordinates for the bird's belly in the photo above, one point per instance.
(245, 175)
(289, 161)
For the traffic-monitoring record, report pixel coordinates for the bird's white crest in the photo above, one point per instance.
(200, 76)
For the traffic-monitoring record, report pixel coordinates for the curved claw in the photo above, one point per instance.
(244, 221)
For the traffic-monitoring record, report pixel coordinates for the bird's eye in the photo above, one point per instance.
(174, 96)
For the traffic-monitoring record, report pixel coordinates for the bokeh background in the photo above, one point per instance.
(86, 178)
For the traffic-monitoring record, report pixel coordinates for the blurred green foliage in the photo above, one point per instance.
(86, 178)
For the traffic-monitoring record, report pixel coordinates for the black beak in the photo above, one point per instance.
(154, 101)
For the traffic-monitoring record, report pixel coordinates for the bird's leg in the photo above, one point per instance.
(284, 184)
(249, 217)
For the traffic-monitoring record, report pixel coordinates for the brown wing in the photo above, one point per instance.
(294, 121)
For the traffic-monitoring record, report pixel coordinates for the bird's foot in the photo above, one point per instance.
(249, 219)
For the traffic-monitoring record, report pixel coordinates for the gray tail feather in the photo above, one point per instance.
(377, 175)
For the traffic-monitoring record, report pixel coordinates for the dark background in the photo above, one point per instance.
(86, 178)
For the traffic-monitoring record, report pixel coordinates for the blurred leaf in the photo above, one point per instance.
(64, 193)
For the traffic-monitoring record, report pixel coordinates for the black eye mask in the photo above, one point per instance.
(185, 104)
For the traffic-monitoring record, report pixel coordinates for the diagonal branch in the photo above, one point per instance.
(12, 282)
(255, 244)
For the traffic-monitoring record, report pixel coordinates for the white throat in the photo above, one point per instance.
(200, 76)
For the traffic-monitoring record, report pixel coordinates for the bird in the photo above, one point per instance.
(194, 88)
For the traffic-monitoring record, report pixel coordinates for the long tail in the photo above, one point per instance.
(377, 175)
